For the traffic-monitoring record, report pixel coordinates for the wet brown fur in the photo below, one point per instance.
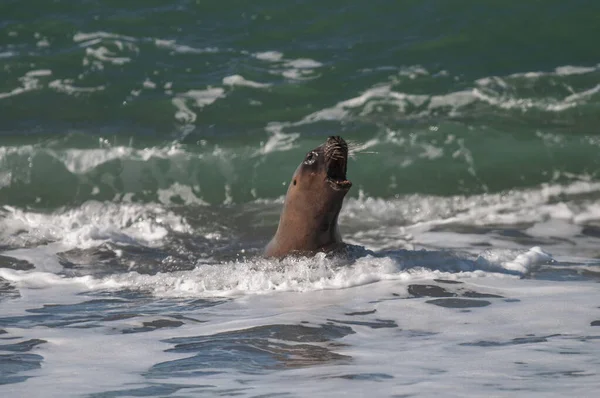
(308, 221)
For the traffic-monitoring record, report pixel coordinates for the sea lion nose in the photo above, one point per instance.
(335, 139)
(337, 144)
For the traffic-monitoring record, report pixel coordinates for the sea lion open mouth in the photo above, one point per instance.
(336, 158)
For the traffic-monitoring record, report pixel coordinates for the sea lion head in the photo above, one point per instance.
(324, 168)
(308, 221)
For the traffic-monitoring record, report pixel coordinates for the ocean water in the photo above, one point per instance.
(145, 148)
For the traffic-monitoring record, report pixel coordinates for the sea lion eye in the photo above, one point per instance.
(311, 157)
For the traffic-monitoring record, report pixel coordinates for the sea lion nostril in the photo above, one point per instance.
(336, 139)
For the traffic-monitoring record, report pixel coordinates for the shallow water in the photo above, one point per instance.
(145, 149)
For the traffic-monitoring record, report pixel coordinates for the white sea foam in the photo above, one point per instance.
(371, 99)
(494, 91)
(293, 69)
(278, 141)
(271, 56)
(105, 48)
(183, 114)
(32, 80)
(39, 72)
(566, 70)
(18, 163)
(182, 48)
(83, 37)
(303, 63)
(237, 80)
(523, 103)
(262, 276)
(90, 224)
(526, 333)
(486, 90)
(300, 69)
(66, 86)
(185, 193)
(29, 82)
(149, 84)
(103, 54)
(554, 216)
(5, 178)
(43, 43)
(200, 99)
(513, 207)
(574, 70)
(7, 54)
(574, 98)
(80, 161)
(414, 71)
(523, 263)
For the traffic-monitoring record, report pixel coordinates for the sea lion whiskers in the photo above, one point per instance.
(357, 148)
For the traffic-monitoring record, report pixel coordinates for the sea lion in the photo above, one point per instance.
(308, 221)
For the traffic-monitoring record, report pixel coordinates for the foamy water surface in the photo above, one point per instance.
(478, 296)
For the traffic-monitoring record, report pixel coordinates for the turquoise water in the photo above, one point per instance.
(455, 98)
(145, 148)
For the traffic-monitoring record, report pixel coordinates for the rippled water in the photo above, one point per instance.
(145, 148)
